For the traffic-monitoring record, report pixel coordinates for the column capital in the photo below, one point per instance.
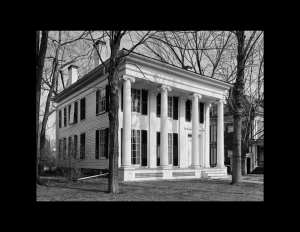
(182, 99)
(221, 101)
(126, 77)
(154, 92)
(195, 95)
(164, 88)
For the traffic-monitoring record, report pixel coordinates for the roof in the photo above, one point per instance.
(96, 71)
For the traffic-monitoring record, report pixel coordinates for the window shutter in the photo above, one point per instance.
(175, 149)
(158, 105)
(188, 110)
(59, 119)
(97, 144)
(158, 148)
(75, 112)
(106, 142)
(69, 113)
(97, 102)
(107, 91)
(144, 102)
(201, 112)
(175, 108)
(144, 147)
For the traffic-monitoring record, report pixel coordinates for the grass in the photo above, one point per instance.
(95, 189)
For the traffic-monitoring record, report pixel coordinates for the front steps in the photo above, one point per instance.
(215, 173)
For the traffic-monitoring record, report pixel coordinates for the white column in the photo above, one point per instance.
(164, 127)
(220, 133)
(182, 135)
(207, 135)
(152, 128)
(127, 121)
(195, 130)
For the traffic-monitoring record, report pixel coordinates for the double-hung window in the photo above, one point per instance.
(170, 148)
(82, 108)
(135, 100)
(100, 101)
(170, 106)
(101, 142)
(135, 147)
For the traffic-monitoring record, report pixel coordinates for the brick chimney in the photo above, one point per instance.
(95, 54)
(73, 74)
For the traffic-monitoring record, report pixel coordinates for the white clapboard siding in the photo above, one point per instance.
(89, 125)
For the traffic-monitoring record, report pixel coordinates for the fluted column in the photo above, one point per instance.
(126, 161)
(195, 130)
(164, 126)
(152, 128)
(207, 135)
(182, 135)
(220, 133)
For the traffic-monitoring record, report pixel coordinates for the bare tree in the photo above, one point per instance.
(116, 58)
(41, 48)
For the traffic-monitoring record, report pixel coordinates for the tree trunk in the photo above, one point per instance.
(39, 73)
(244, 158)
(113, 180)
(237, 95)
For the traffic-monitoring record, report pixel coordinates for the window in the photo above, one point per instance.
(135, 100)
(100, 101)
(82, 109)
(64, 151)
(71, 113)
(135, 146)
(70, 146)
(102, 143)
(188, 110)
(170, 148)
(75, 146)
(65, 116)
(170, 106)
(213, 133)
(75, 112)
(158, 100)
(59, 119)
(201, 112)
(103, 146)
(82, 146)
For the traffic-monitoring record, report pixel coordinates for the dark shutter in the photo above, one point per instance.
(75, 112)
(59, 148)
(121, 145)
(69, 113)
(144, 102)
(122, 98)
(59, 119)
(201, 114)
(106, 142)
(97, 102)
(97, 144)
(188, 110)
(175, 149)
(175, 108)
(75, 146)
(107, 91)
(144, 147)
(158, 105)
(82, 146)
(158, 148)
(82, 109)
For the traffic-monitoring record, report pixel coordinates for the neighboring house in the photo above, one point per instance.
(255, 152)
(163, 120)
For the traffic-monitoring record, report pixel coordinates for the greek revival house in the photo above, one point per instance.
(164, 118)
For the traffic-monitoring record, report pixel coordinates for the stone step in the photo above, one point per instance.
(218, 177)
(215, 174)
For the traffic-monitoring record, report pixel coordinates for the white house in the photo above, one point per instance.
(163, 120)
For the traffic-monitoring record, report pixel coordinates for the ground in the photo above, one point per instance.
(95, 189)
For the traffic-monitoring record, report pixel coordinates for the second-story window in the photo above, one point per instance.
(170, 106)
(82, 109)
(100, 101)
(135, 100)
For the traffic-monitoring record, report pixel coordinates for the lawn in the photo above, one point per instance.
(95, 189)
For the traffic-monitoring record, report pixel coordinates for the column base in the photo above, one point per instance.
(195, 166)
(126, 167)
(164, 167)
